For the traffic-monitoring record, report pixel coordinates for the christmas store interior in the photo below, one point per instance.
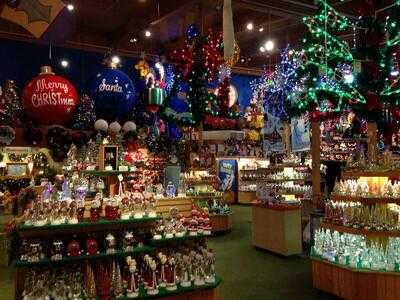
(199, 149)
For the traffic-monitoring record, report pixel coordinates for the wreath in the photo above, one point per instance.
(7, 135)
(33, 135)
(59, 140)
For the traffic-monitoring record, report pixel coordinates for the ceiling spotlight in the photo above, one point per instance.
(269, 45)
(261, 29)
(250, 26)
(147, 33)
(64, 63)
(70, 7)
(262, 49)
(115, 60)
(242, 60)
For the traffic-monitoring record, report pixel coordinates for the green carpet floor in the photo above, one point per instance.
(248, 273)
(251, 274)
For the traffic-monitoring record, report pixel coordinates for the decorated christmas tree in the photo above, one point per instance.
(85, 115)
(325, 75)
(280, 84)
(11, 109)
(390, 58)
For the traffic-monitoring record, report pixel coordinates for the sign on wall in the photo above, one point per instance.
(300, 129)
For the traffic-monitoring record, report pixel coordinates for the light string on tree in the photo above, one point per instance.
(322, 86)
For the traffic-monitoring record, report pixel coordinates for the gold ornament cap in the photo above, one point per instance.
(46, 70)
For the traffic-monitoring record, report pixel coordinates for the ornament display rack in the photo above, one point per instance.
(247, 185)
(367, 279)
(294, 189)
(207, 291)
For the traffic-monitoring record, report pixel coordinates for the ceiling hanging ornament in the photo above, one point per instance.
(231, 48)
(143, 67)
(50, 99)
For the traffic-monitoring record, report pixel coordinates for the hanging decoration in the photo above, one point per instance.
(114, 95)
(143, 67)
(231, 48)
(322, 52)
(49, 99)
(85, 115)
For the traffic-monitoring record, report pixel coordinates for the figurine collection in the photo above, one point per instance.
(130, 277)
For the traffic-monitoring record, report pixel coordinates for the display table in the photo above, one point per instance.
(355, 284)
(277, 230)
(221, 223)
(247, 197)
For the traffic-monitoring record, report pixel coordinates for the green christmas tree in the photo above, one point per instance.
(325, 76)
(391, 57)
(10, 104)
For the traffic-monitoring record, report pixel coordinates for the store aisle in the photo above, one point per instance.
(252, 274)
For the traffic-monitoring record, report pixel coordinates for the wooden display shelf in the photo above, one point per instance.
(175, 238)
(367, 200)
(221, 223)
(25, 231)
(246, 197)
(366, 173)
(360, 231)
(354, 284)
(208, 291)
(71, 259)
(277, 230)
(103, 173)
(308, 179)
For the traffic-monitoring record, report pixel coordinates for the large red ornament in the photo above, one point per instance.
(50, 99)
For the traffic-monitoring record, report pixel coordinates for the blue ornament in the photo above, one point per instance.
(114, 95)
(192, 32)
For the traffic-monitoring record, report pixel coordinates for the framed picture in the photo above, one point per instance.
(17, 169)
(108, 158)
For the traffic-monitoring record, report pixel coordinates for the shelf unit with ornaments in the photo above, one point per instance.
(356, 277)
(80, 232)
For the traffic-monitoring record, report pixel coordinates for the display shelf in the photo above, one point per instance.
(354, 284)
(371, 173)
(184, 291)
(85, 226)
(101, 173)
(70, 259)
(308, 179)
(355, 270)
(360, 231)
(366, 200)
(175, 238)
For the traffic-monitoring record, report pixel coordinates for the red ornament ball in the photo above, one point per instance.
(50, 99)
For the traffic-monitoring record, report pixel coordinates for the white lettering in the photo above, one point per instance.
(103, 86)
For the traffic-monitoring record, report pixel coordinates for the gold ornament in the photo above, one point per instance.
(143, 68)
